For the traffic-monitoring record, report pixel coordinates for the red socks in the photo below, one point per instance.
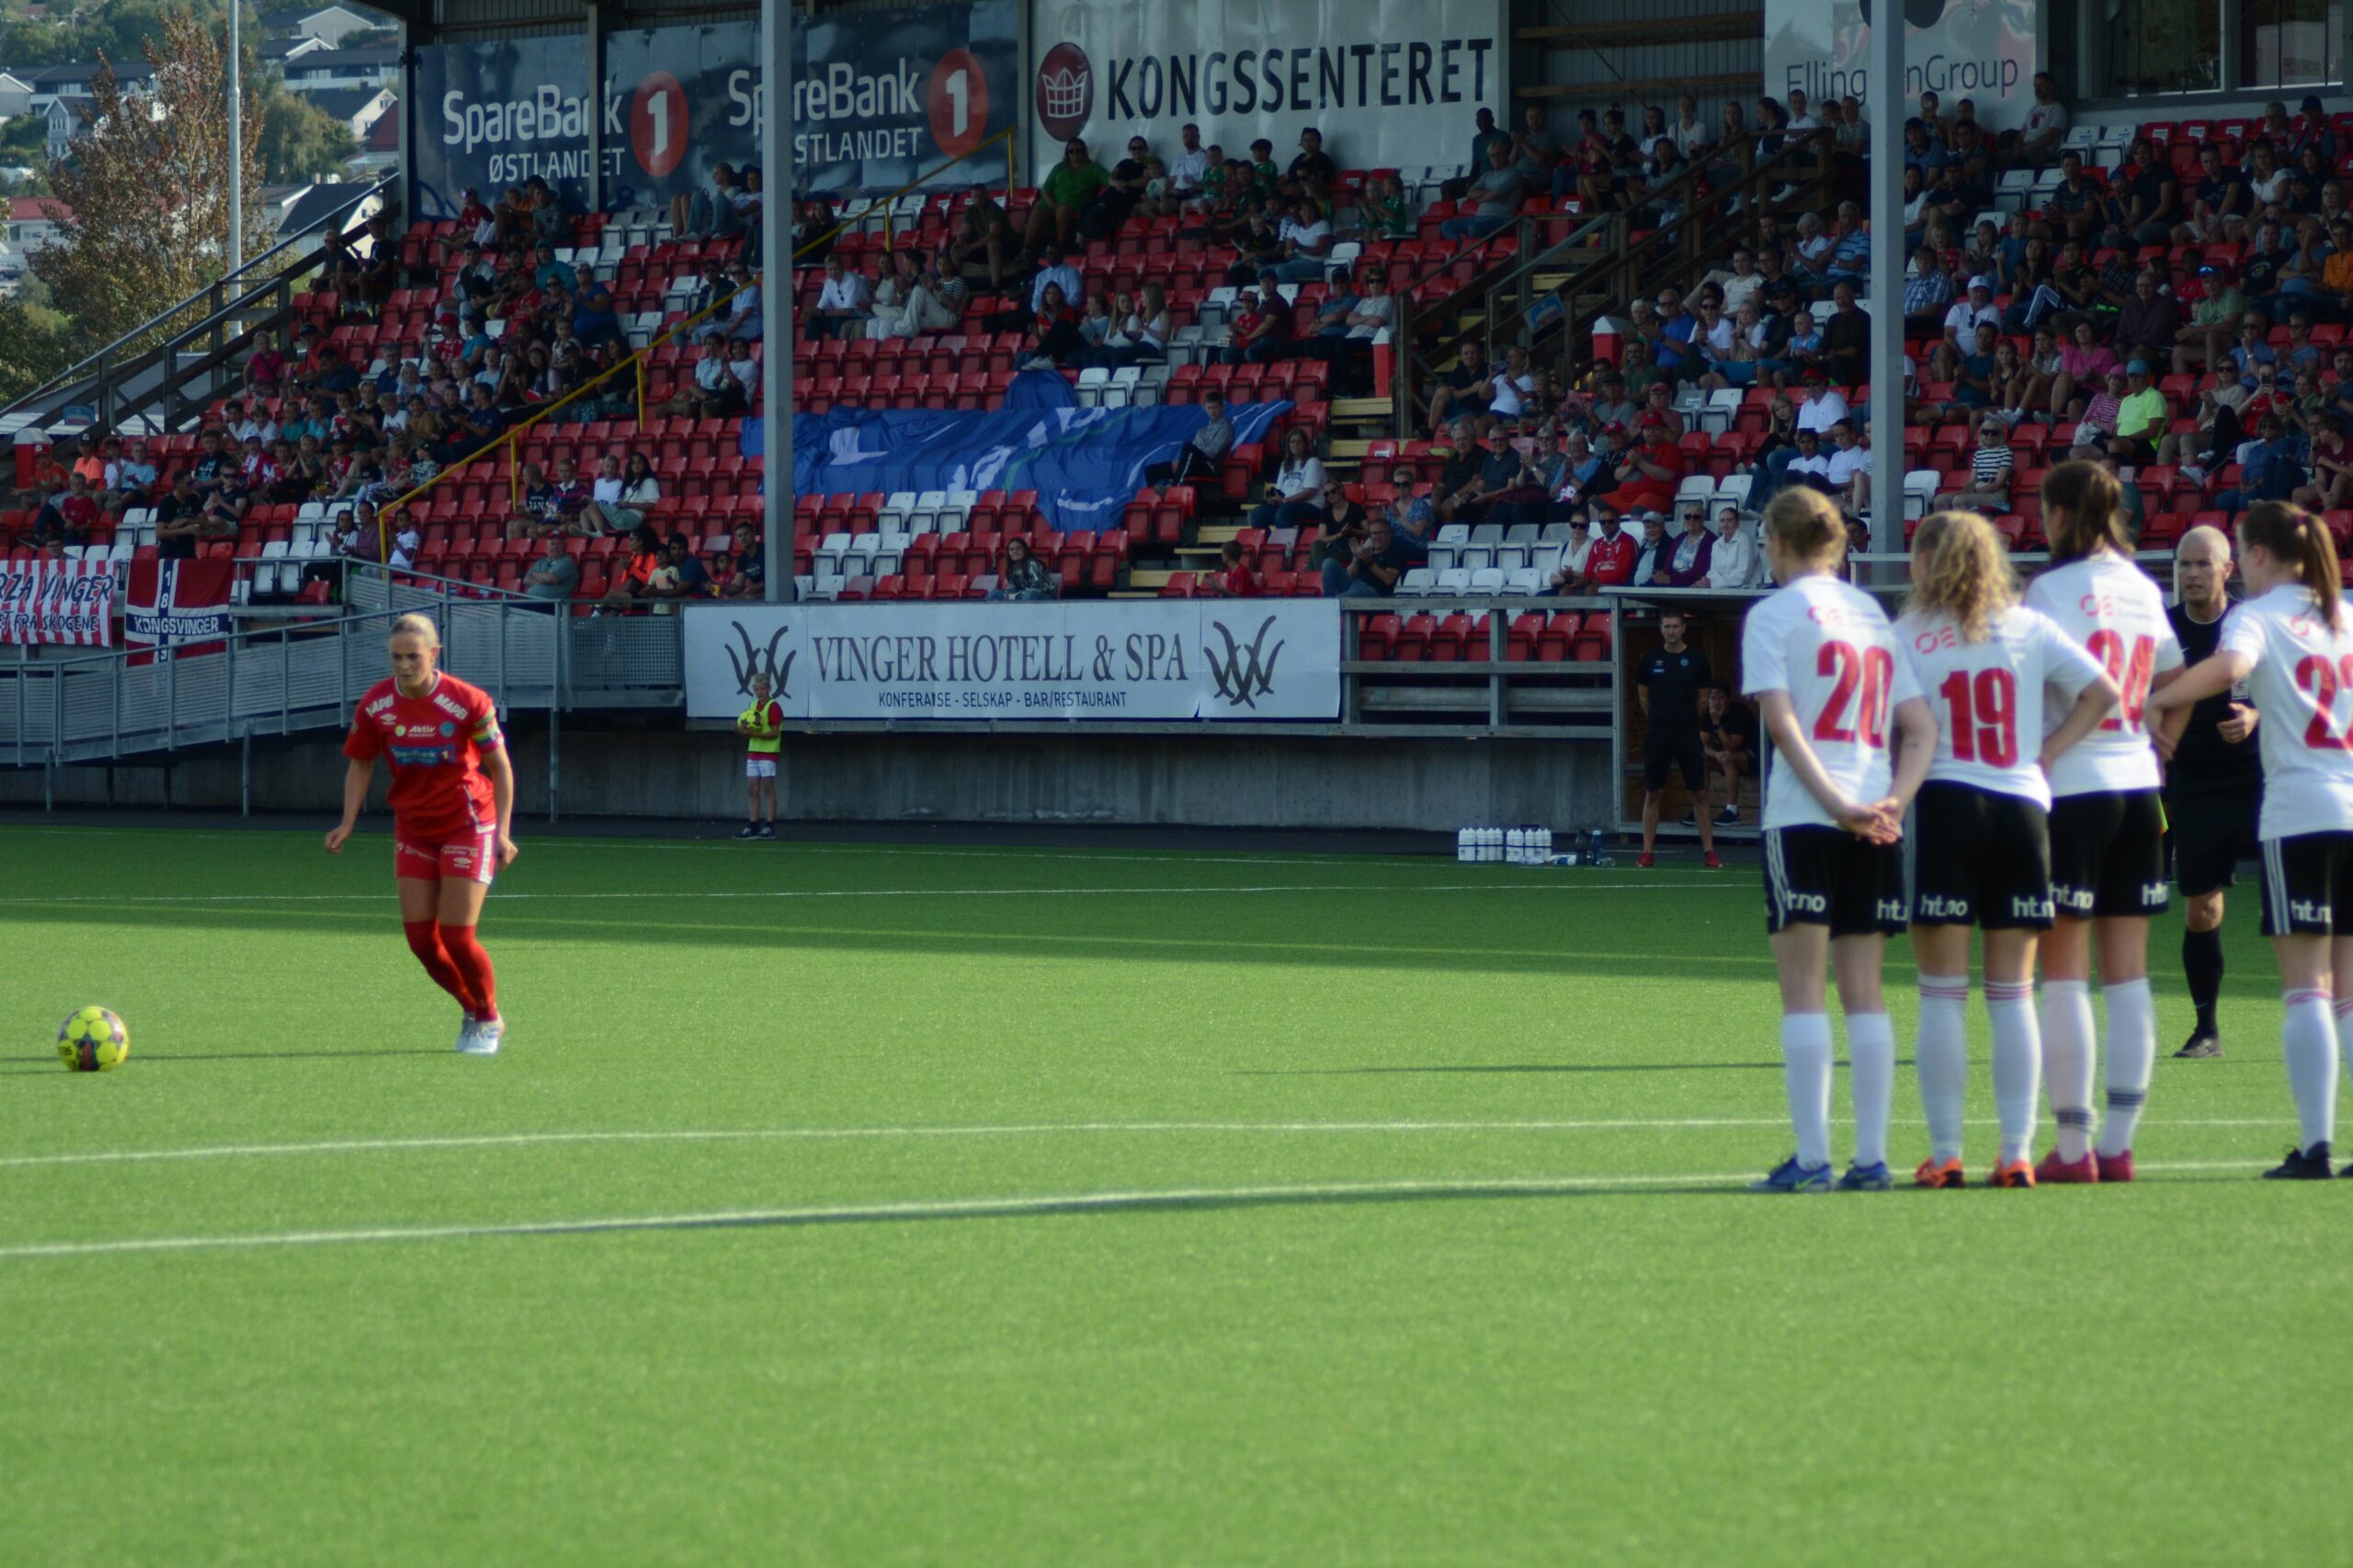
(472, 969)
(425, 941)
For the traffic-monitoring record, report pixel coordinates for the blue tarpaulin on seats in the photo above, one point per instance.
(1084, 463)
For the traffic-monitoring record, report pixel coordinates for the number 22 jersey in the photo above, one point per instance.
(1830, 648)
(2302, 684)
(2109, 607)
(1987, 695)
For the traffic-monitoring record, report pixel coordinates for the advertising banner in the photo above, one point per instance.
(57, 601)
(1387, 82)
(1981, 50)
(492, 115)
(878, 97)
(1082, 660)
(882, 97)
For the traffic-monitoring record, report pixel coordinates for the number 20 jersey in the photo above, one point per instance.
(2302, 684)
(1988, 696)
(1830, 647)
(2109, 607)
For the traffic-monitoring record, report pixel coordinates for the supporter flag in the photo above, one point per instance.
(63, 600)
(177, 606)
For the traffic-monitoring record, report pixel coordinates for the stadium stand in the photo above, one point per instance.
(1739, 294)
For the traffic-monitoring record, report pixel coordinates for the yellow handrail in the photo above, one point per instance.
(636, 362)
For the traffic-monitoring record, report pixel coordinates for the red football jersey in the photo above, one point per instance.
(1612, 560)
(436, 744)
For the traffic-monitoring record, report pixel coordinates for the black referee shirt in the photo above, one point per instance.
(2205, 765)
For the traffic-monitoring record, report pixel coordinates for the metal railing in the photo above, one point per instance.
(304, 677)
(229, 319)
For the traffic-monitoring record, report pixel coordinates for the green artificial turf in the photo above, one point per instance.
(1404, 1227)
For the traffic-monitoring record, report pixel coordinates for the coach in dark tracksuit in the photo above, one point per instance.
(1670, 681)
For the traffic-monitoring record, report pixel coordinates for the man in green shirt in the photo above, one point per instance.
(2213, 324)
(2140, 418)
(1073, 182)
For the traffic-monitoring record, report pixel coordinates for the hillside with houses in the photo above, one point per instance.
(325, 81)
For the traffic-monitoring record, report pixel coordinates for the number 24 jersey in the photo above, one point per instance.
(2109, 605)
(1988, 696)
(1830, 648)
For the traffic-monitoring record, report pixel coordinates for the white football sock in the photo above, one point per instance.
(1805, 1068)
(2131, 1058)
(1942, 1051)
(2308, 1038)
(1870, 1046)
(2067, 1061)
(2018, 1065)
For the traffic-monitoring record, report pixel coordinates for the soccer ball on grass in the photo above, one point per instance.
(93, 1040)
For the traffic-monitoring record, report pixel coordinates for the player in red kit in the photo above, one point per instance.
(453, 804)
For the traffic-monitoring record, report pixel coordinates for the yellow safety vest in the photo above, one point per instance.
(761, 738)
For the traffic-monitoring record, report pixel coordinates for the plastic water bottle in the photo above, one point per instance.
(1597, 852)
(1493, 853)
(1543, 844)
(1464, 851)
(1516, 846)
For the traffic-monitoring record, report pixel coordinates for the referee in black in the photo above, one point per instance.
(2214, 784)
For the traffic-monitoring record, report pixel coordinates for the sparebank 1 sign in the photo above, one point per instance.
(1981, 50)
(494, 115)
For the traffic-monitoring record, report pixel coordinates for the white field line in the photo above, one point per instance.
(1014, 1129)
(121, 899)
(929, 1209)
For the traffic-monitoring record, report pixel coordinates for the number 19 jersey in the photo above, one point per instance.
(1988, 696)
(2109, 607)
(1830, 647)
(2302, 684)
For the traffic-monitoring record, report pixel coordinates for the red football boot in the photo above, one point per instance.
(2115, 1167)
(2084, 1172)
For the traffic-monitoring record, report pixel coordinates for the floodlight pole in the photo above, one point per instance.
(236, 149)
(779, 181)
(1886, 362)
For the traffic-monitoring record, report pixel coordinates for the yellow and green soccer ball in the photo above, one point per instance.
(93, 1040)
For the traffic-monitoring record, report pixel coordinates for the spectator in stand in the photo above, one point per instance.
(1962, 319)
(1233, 579)
(621, 497)
(1609, 560)
(1926, 294)
(1822, 408)
(1185, 169)
(1850, 470)
(1654, 553)
(916, 305)
(1070, 187)
(844, 304)
(1465, 391)
(1024, 578)
(742, 571)
(1498, 193)
(1538, 468)
(1488, 137)
(1694, 550)
(2145, 199)
(266, 369)
(2141, 419)
(2205, 339)
(1261, 330)
(983, 243)
(180, 520)
(2269, 468)
(2209, 444)
(1992, 465)
(1200, 456)
(135, 479)
(555, 577)
(2098, 425)
(1343, 524)
(1313, 169)
(1293, 496)
(680, 575)
(1736, 565)
(1535, 152)
(2330, 460)
(2036, 143)
(2150, 323)
(1374, 566)
(2219, 203)
(1305, 239)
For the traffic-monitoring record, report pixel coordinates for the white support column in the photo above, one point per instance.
(780, 180)
(1886, 114)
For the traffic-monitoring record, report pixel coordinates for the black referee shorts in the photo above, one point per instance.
(2208, 836)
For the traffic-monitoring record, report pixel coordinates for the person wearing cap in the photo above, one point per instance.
(2205, 339)
(2140, 418)
(1652, 470)
(1968, 313)
(1654, 553)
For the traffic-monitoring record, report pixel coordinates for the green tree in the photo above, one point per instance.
(34, 345)
(300, 141)
(148, 188)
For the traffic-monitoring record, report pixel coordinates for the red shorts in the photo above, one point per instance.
(465, 856)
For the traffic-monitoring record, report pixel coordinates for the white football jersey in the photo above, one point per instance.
(1831, 648)
(2109, 605)
(1988, 696)
(2302, 684)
